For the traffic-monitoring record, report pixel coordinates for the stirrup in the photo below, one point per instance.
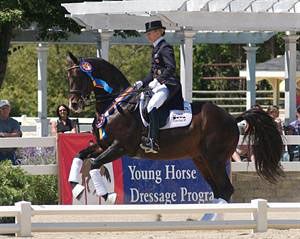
(149, 147)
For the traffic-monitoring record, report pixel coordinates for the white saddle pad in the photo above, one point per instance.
(177, 118)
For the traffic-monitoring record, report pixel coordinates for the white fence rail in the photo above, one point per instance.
(234, 101)
(23, 211)
(29, 125)
(53, 170)
(258, 209)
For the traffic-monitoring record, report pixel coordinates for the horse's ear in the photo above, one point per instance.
(72, 59)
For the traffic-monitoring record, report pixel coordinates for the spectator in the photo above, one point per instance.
(294, 129)
(64, 123)
(273, 111)
(9, 127)
(295, 125)
(257, 107)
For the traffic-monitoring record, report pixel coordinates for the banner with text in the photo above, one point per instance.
(136, 181)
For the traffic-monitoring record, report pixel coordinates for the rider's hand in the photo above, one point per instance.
(153, 83)
(137, 85)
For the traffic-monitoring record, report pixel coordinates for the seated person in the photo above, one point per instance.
(294, 129)
(242, 154)
(273, 111)
(9, 127)
(64, 123)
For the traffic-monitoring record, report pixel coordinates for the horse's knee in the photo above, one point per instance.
(81, 156)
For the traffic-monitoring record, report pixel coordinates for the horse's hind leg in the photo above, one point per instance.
(216, 176)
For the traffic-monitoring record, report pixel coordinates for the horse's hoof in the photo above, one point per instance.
(77, 191)
(111, 199)
(214, 216)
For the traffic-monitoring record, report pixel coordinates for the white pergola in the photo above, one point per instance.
(187, 17)
(189, 21)
(273, 70)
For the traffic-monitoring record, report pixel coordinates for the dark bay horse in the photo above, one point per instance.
(210, 139)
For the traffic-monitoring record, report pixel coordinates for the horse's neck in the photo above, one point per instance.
(112, 75)
(103, 102)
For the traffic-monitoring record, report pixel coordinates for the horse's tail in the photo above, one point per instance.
(267, 145)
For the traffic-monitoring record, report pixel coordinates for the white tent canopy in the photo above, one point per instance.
(191, 16)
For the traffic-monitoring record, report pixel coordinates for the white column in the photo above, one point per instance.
(276, 94)
(250, 77)
(42, 122)
(98, 47)
(290, 76)
(186, 64)
(105, 36)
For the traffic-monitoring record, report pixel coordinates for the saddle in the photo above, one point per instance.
(168, 119)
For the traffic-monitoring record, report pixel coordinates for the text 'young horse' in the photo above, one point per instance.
(210, 139)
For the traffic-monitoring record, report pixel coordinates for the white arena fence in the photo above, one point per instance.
(258, 208)
(29, 128)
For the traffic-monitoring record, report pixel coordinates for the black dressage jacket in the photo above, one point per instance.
(163, 67)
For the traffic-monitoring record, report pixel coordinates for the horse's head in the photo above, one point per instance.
(93, 74)
(80, 86)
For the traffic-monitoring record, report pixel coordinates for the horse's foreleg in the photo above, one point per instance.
(76, 167)
(111, 153)
(78, 162)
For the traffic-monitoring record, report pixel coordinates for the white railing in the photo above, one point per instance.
(50, 169)
(29, 127)
(237, 99)
(23, 211)
(53, 170)
(258, 209)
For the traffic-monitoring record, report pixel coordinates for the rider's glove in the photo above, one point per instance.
(137, 85)
(153, 83)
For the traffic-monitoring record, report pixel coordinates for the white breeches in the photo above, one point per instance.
(159, 97)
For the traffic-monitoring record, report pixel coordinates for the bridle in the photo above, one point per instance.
(97, 83)
(83, 99)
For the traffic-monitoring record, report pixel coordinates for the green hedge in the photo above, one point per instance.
(16, 186)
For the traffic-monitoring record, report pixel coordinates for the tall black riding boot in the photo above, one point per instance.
(150, 144)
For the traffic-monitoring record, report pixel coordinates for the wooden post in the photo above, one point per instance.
(24, 218)
(261, 215)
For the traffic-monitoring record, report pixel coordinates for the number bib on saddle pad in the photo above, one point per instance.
(175, 118)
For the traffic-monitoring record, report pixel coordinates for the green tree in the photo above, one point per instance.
(42, 14)
(20, 85)
(47, 16)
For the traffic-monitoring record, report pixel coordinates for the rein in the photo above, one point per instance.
(117, 98)
(73, 67)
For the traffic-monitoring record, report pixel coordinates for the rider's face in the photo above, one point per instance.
(153, 35)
